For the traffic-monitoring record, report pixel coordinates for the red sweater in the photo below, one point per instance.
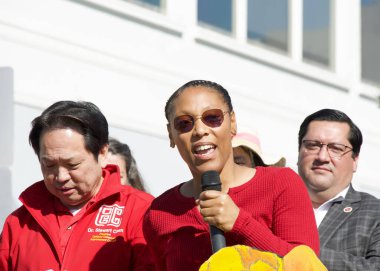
(105, 235)
(275, 215)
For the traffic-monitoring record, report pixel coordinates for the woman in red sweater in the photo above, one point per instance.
(267, 208)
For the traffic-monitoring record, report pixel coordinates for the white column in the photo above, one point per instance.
(347, 43)
(185, 14)
(295, 29)
(240, 18)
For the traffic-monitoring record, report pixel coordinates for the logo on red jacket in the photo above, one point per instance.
(109, 215)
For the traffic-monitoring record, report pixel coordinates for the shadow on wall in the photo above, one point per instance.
(6, 203)
(6, 141)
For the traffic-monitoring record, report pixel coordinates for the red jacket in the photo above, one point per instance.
(105, 235)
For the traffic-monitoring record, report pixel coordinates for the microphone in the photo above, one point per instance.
(210, 180)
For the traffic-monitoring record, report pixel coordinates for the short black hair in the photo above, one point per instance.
(355, 136)
(83, 117)
(198, 83)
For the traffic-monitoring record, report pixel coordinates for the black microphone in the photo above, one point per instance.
(211, 181)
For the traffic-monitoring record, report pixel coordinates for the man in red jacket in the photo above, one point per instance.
(79, 217)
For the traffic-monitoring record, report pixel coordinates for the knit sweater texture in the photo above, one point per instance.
(275, 215)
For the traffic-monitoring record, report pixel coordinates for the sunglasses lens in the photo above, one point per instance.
(183, 123)
(213, 118)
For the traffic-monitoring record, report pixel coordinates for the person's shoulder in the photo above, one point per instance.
(166, 196)
(133, 193)
(368, 198)
(20, 211)
(35, 190)
(164, 214)
(278, 173)
(171, 202)
(18, 216)
(170, 192)
(280, 179)
(367, 206)
(276, 170)
(36, 196)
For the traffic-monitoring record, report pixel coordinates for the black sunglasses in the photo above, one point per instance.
(212, 118)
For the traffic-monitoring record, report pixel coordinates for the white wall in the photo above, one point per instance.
(128, 60)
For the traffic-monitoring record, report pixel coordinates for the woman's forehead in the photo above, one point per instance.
(201, 96)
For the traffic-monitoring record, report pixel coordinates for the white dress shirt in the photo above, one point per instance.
(321, 211)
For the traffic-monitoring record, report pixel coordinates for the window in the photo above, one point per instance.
(216, 14)
(316, 31)
(268, 23)
(148, 3)
(370, 11)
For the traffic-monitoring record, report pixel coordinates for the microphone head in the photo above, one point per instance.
(210, 180)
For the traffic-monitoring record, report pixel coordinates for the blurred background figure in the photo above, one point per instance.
(120, 155)
(247, 152)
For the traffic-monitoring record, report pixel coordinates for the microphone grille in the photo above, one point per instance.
(210, 178)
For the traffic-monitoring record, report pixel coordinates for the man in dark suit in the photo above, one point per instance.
(348, 221)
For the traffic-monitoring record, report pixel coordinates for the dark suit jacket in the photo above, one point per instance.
(350, 234)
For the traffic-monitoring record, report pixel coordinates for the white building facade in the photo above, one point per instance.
(280, 60)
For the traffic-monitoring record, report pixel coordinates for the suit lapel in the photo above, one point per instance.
(338, 213)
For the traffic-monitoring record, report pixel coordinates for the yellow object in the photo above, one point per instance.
(242, 258)
(302, 258)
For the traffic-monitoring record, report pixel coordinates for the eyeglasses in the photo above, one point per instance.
(212, 118)
(335, 150)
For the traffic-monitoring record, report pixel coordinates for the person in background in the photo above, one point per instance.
(79, 217)
(247, 152)
(348, 221)
(120, 155)
(266, 207)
